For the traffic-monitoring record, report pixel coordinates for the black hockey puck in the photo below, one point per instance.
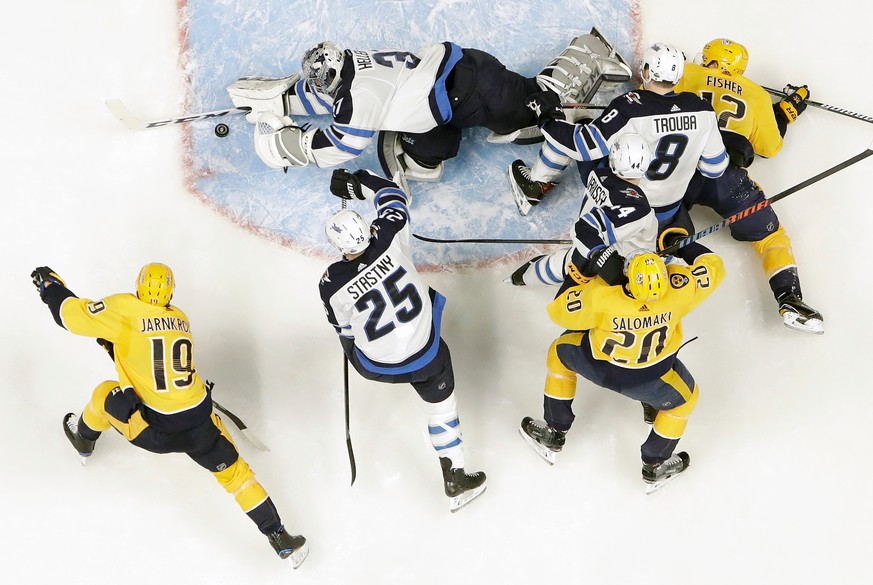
(221, 130)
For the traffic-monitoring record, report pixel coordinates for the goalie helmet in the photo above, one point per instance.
(155, 284)
(647, 276)
(348, 231)
(629, 156)
(322, 65)
(730, 56)
(664, 63)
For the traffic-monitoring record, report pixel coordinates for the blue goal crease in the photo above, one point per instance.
(473, 198)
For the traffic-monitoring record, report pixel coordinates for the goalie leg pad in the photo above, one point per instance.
(261, 94)
(577, 73)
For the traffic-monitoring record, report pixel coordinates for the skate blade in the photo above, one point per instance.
(83, 459)
(458, 502)
(521, 201)
(522, 137)
(299, 555)
(794, 321)
(547, 454)
(653, 487)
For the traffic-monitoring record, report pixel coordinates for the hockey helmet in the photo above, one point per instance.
(629, 156)
(348, 231)
(155, 284)
(647, 276)
(322, 65)
(730, 56)
(662, 62)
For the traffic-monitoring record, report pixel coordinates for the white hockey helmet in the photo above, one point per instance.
(664, 62)
(322, 65)
(348, 231)
(629, 156)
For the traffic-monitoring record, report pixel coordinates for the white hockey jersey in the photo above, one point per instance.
(379, 300)
(378, 90)
(681, 129)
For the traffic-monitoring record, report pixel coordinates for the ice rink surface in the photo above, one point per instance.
(778, 491)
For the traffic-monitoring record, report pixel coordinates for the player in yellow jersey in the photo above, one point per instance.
(625, 338)
(159, 402)
(750, 124)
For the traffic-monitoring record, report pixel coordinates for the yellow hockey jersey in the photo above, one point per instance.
(742, 106)
(631, 333)
(154, 350)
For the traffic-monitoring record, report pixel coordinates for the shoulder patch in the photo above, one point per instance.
(678, 280)
(96, 307)
(633, 97)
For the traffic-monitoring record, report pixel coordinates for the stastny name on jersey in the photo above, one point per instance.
(370, 277)
(164, 324)
(628, 323)
(675, 123)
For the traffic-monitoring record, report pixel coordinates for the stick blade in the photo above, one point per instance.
(123, 115)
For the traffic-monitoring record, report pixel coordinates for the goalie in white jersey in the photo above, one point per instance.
(428, 96)
(388, 320)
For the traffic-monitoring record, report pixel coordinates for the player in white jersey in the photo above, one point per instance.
(428, 96)
(417, 103)
(615, 217)
(388, 320)
(681, 130)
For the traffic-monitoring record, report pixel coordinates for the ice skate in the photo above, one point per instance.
(526, 191)
(289, 546)
(657, 476)
(517, 277)
(460, 486)
(798, 315)
(71, 430)
(649, 413)
(546, 441)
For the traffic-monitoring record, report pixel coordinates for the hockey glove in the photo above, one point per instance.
(606, 263)
(43, 277)
(670, 236)
(346, 185)
(793, 104)
(546, 106)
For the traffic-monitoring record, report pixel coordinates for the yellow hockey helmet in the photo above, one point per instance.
(731, 57)
(155, 284)
(647, 277)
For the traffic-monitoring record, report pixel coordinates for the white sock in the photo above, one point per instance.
(444, 430)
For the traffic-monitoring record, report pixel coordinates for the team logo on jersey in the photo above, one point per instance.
(324, 278)
(678, 280)
(633, 98)
(632, 193)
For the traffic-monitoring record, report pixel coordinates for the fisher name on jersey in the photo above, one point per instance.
(379, 90)
(681, 129)
(743, 107)
(629, 334)
(379, 300)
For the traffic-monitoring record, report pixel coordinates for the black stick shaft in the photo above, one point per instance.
(348, 432)
(766, 203)
(490, 241)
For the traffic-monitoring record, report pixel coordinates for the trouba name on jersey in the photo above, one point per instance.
(164, 324)
(675, 123)
(370, 277)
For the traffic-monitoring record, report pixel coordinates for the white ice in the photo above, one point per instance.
(779, 487)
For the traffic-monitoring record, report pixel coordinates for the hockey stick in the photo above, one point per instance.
(767, 202)
(348, 432)
(570, 106)
(132, 122)
(489, 241)
(827, 107)
(241, 426)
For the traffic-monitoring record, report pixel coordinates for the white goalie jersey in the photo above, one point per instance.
(378, 299)
(378, 90)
